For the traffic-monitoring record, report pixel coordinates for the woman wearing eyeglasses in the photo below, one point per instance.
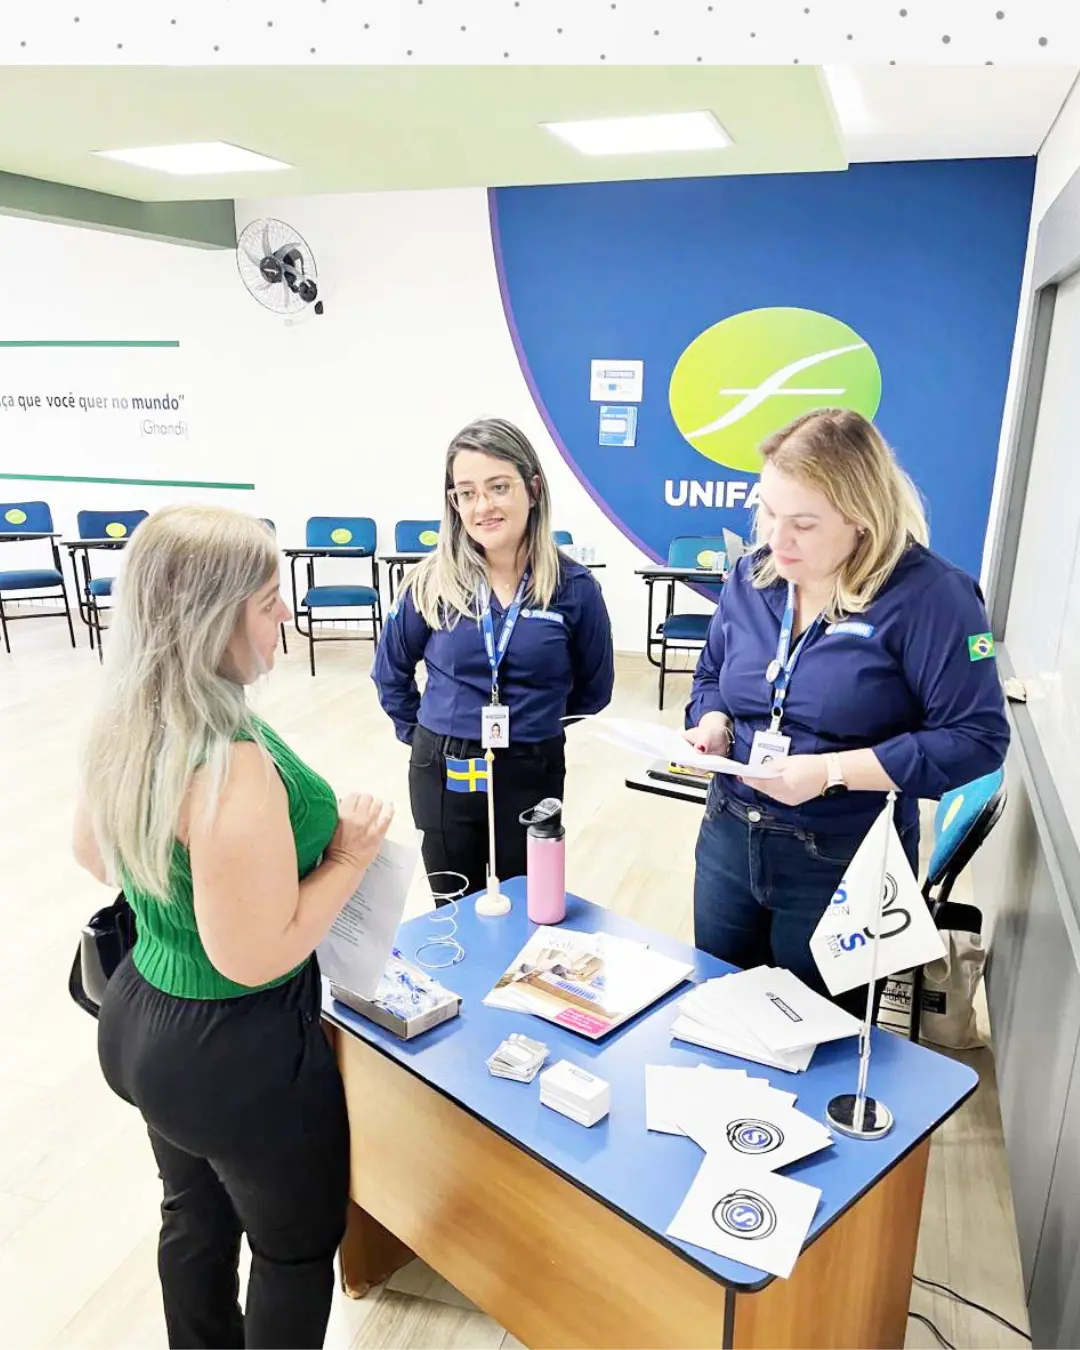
(514, 636)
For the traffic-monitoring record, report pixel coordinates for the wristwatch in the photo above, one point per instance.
(834, 783)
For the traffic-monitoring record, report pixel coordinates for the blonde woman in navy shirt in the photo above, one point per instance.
(846, 649)
(514, 637)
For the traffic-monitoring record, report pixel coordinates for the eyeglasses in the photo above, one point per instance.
(498, 492)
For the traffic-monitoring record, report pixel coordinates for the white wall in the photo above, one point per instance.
(347, 412)
(1059, 159)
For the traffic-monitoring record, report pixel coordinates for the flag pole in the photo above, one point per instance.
(857, 1115)
(491, 902)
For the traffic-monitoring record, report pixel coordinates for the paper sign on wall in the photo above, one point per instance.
(617, 379)
(618, 425)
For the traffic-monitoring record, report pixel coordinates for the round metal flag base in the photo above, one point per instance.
(877, 1118)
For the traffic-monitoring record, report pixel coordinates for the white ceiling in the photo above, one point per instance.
(946, 112)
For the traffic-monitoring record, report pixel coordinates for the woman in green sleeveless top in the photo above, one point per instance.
(236, 858)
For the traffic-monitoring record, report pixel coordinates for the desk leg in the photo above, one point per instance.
(370, 1253)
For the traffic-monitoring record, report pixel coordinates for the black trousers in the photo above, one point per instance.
(454, 824)
(246, 1115)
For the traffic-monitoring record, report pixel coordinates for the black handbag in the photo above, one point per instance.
(103, 944)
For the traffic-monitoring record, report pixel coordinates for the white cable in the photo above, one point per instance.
(447, 913)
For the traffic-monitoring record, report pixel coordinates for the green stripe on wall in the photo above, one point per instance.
(171, 342)
(125, 482)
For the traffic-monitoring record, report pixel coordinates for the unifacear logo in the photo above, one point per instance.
(753, 373)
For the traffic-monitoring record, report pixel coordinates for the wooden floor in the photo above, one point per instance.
(78, 1191)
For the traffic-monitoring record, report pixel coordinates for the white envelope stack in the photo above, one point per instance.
(764, 1015)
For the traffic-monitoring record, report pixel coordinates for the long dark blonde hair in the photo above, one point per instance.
(446, 585)
(844, 456)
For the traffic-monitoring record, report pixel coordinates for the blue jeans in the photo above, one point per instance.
(762, 885)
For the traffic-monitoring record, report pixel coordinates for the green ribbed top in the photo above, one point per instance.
(169, 953)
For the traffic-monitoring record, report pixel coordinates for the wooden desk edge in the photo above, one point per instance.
(428, 1210)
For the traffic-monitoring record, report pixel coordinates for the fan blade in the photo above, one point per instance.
(253, 259)
(266, 238)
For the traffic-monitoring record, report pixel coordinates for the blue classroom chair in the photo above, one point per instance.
(351, 537)
(31, 522)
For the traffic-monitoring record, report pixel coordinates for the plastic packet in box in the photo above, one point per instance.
(407, 1001)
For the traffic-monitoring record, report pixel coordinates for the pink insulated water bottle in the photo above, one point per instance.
(546, 862)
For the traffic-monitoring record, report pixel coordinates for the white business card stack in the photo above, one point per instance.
(518, 1057)
(764, 1015)
(574, 1092)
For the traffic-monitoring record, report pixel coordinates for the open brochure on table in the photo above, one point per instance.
(590, 983)
(654, 741)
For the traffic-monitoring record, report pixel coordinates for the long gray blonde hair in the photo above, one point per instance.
(447, 584)
(845, 457)
(167, 709)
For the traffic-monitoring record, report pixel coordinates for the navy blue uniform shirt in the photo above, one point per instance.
(905, 679)
(559, 663)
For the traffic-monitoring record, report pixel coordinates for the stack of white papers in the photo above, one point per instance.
(764, 1015)
(748, 1130)
(574, 1092)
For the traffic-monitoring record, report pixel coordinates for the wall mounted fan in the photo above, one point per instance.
(278, 268)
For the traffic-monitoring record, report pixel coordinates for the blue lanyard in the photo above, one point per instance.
(779, 671)
(497, 650)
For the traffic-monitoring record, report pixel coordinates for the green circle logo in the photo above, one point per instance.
(706, 558)
(429, 537)
(115, 530)
(749, 375)
(16, 516)
(340, 536)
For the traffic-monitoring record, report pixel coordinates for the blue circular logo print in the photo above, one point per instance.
(746, 1215)
(754, 1136)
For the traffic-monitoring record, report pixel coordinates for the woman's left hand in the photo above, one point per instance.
(802, 779)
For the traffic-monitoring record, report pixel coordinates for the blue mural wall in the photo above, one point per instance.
(921, 262)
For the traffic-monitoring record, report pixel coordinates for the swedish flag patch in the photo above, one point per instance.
(980, 646)
(466, 775)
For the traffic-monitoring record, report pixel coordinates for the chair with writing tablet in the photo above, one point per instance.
(109, 530)
(416, 536)
(562, 538)
(336, 538)
(962, 821)
(31, 523)
(687, 632)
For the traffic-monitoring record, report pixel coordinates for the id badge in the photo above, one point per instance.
(768, 747)
(494, 726)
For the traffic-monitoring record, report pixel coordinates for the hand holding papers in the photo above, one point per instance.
(764, 1015)
(652, 741)
(355, 951)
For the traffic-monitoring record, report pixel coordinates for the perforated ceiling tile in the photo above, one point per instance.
(456, 32)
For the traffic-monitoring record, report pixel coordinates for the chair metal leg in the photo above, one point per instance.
(3, 625)
(67, 612)
(663, 672)
(284, 641)
(311, 640)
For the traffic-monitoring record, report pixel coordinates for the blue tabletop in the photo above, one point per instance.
(641, 1175)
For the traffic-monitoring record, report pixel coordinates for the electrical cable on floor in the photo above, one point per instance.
(944, 1288)
(918, 1317)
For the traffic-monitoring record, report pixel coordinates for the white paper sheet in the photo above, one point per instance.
(761, 1220)
(707, 1017)
(670, 1088)
(754, 1132)
(653, 741)
(355, 951)
(778, 1009)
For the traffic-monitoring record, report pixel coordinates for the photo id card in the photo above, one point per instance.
(768, 747)
(494, 726)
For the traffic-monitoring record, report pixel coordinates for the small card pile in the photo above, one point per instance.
(765, 1015)
(519, 1058)
(575, 1092)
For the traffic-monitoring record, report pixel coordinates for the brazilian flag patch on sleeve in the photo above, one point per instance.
(980, 646)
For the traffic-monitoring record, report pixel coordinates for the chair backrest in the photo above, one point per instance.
(355, 532)
(562, 537)
(694, 550)
(25, 518)
(109, 524)
(416, 536)
(964, 817)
